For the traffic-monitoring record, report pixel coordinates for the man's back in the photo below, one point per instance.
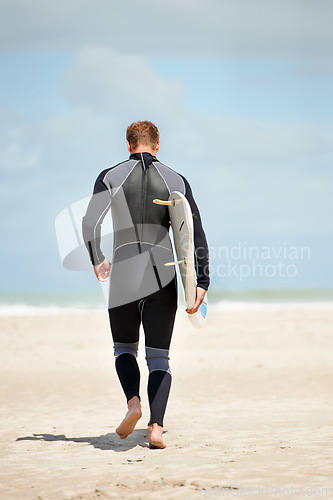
(139, 225)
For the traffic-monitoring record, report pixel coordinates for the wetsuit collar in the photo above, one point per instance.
(147, 158)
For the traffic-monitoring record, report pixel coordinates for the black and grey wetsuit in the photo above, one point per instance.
(142, 289)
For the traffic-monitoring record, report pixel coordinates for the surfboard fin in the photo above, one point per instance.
(175, 263)
(168, 202)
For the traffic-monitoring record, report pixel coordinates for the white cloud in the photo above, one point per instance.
(17, 153)
(258, 176)
(123, 88)
(15, 156)
(117, 85)
(200, 28)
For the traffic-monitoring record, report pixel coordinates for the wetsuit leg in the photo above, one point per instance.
(158, 316)
(125, 323)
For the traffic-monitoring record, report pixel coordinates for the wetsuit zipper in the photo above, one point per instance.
(144, 197)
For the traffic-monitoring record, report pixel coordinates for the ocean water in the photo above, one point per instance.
(271, 298)
(30, 304)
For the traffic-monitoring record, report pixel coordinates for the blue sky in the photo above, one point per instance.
(241, 92)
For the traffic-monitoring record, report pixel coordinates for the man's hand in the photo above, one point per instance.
(201, 292)
(102, 270)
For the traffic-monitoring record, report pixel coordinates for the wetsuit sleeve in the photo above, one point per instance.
(91, 224)
(201, 252)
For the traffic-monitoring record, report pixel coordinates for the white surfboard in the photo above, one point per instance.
(183, 234)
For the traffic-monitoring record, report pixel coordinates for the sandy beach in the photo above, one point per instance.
(249, 414)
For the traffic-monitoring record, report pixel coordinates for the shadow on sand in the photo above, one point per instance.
(110, 441)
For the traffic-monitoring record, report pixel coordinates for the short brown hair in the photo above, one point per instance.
(142, 133)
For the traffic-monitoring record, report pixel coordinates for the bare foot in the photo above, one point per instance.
(132, 416)
(155, 437)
